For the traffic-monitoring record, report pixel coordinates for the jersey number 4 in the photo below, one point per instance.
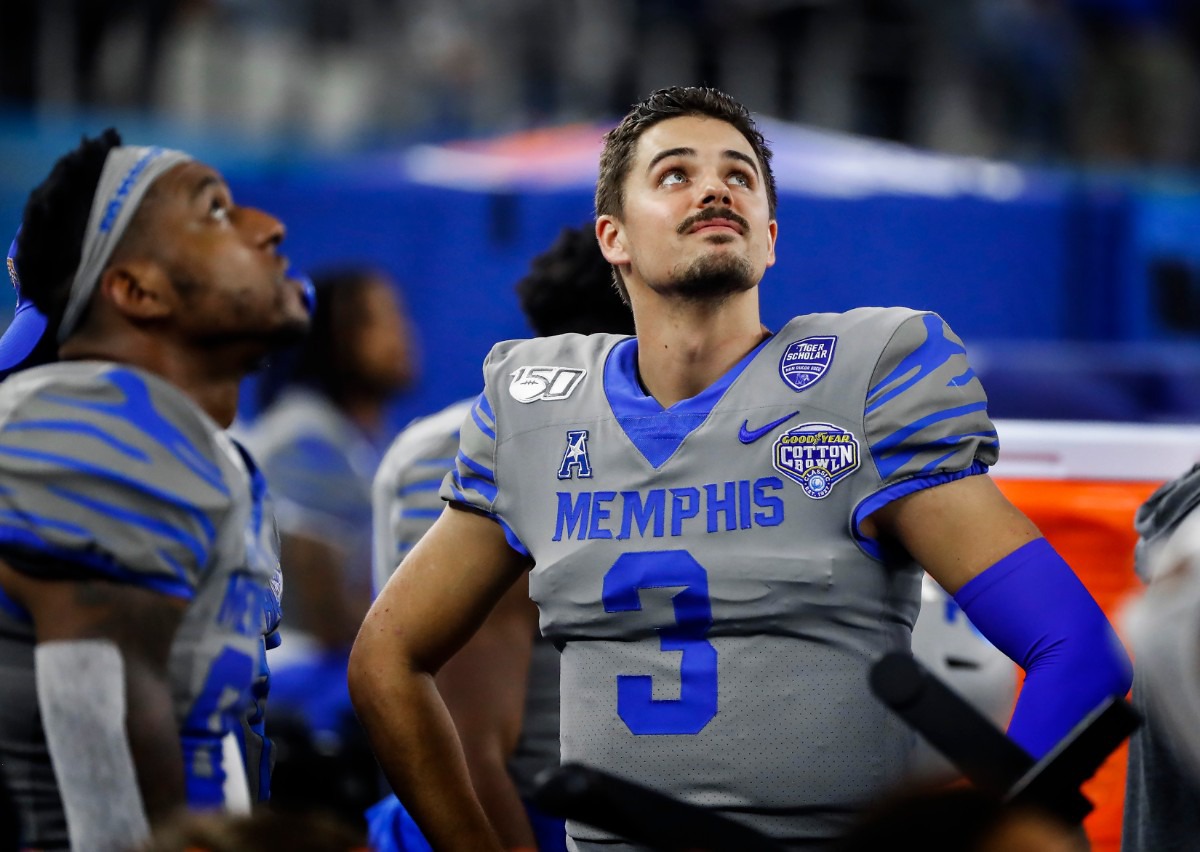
(697, 701)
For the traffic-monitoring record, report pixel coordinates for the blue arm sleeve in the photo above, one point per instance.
(1032, 607)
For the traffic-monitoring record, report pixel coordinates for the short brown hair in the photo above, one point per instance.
(674, 102)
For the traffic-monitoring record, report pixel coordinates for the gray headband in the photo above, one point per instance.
(127, 174)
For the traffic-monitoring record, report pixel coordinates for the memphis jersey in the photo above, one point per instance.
(404, 496)
(110, 472)
(406, 504)
(320, 466)
(703, 567)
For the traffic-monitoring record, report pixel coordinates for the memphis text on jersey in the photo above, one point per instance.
(659, 512)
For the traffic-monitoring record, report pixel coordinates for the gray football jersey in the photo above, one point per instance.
(702, 567)
(407, 502)
(108, 471)
(320, 466)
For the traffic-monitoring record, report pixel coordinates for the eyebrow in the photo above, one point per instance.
(691, 152)
(205, 183)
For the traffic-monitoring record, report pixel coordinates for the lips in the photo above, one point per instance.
(725, 224)
(714, 217)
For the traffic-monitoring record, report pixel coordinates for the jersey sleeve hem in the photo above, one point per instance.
(895, 491)
(459, 501)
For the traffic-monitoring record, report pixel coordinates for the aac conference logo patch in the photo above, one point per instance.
(529, 384)
(816, 455)
(805, 361)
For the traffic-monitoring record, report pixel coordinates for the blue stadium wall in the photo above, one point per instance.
(1107, 268)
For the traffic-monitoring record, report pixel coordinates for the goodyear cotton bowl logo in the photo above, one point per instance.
(817, 455)
(529, 384)
(805, 361)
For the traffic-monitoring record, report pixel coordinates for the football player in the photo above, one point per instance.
(139, 575)
(723, 524)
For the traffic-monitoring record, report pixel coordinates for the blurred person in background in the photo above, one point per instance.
(139, 575)
(319, 439)
(1162, 786)
(502, 687)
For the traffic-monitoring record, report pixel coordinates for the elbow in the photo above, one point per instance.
(1107, 661)
(358, 676)
(381, 671)
(1096, 667)
(367, 674)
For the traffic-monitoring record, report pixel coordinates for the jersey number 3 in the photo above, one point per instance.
(697, 701)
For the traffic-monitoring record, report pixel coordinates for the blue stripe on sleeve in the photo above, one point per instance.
(483, 427)
(29, 518)
(155, 525)
(428, 514)
(890, 446)
(138, 411)
(898, 459)
(482, 470)
(79, 428)
(419, 487)
(894, 492)
(487, 489)
(510, 536)
(486, 407)
(23, 539)
(929, 356)
(117, 477)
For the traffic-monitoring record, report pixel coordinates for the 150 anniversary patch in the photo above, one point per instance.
(816, 455)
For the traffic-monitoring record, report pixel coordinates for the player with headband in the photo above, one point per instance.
(139, 577)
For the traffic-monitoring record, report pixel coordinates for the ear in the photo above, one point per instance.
(138, 290)
(772, 234)
(610, 233)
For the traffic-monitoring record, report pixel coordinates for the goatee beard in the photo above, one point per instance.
(714, 278)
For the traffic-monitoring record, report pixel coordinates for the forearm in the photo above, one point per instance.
(153, 733)
(498, 795)
(414, 740)
(484, 687)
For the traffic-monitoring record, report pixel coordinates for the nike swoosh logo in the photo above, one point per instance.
(749, 436)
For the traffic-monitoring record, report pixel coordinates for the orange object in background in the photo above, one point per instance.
(1082, 484)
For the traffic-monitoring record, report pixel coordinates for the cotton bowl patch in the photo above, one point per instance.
(816, 455)
(805, 361)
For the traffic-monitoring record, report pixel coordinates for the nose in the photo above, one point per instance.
(716, 192)
(263, 230)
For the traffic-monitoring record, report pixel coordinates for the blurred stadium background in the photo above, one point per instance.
(1025, 167)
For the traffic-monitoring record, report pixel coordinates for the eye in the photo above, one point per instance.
(218, 209)
(672, 177)
(741, 179)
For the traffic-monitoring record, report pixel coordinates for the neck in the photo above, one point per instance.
(684, 347)
(210, 379)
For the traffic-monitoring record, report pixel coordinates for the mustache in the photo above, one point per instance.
(713, 213)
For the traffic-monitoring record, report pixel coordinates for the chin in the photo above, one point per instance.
(715, 276)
